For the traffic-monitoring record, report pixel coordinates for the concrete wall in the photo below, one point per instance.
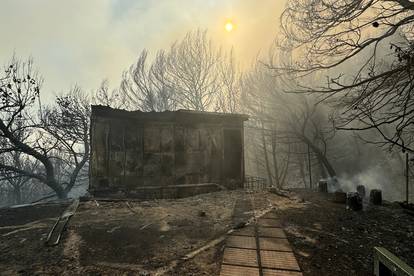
(135, 152)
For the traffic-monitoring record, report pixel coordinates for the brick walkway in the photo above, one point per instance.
(259, 250)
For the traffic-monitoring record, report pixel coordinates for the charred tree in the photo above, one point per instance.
(23, 132)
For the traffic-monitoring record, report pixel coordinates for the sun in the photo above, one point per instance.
(229, 26)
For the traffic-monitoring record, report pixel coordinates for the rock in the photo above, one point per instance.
(375, 197)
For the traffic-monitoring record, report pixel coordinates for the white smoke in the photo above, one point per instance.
(375, 177)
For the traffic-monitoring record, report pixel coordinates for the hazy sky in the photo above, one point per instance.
(86, 41)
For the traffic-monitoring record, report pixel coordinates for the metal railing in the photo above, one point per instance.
(255, 183)
(386, 263)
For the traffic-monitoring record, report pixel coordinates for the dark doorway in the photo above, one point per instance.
(232, 154)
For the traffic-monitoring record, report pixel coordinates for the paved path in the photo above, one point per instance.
(260, 249)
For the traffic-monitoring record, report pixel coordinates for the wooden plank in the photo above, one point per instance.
(232, 270)
(277, 272)
(260, 250)
(271, 232)
(56, 232)
(276, 244)
(245, 231)
(241, 242)
(279, 260)
(263, 222)
(243, 257)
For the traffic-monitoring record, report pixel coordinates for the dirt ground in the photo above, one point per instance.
(330, 240)
(122, 238)
(152, 237)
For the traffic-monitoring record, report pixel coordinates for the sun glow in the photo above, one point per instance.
(229, 26)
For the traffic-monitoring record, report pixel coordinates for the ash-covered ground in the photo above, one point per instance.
(152, 237)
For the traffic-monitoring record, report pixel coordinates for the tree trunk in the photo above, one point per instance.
(78, 167)
(60, 192)
(302, 170)
(17, 194)
(275, 163)
(354, 201)
(320, 156)
(328, 166)
(43, 158)
(286, 169)
(322, 169)
(375, 197)
(300, 159)
(51, 181)
(269, 172)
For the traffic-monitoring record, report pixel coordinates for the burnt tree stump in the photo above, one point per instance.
(323, 186)
(354, 201)
(361, 190)
(375, 197)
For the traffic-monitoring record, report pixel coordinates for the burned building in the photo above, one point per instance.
(164, 154)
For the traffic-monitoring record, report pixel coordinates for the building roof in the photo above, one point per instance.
(182, 114)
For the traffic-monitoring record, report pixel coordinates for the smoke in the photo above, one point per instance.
(375, 177)
(104, 37)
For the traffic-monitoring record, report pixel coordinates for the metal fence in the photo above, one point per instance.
(386, 263)
(255, 183)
